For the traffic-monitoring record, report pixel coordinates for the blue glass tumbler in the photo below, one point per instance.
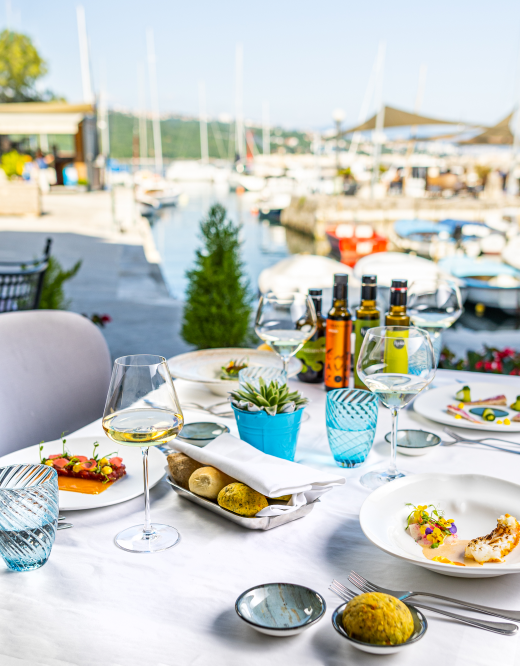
(351, 416)
(28, 515)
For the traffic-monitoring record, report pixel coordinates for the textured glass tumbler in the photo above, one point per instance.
(28, 515)
(351, 416)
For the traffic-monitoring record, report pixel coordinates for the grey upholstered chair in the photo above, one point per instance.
(54, 376)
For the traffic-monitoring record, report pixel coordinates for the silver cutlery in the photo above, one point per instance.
(195, 405)
(463, 440)
(64, 526)
(503, 628)
(367, 586)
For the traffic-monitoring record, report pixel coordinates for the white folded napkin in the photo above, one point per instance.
(273, 477)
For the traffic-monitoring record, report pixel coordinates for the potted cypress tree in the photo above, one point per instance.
(218, 302)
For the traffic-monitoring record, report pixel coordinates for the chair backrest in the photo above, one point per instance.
(21, 283)
(54, 375)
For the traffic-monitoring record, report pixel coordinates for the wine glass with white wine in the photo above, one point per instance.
(279, 323)
(142, 410)
(396, 363)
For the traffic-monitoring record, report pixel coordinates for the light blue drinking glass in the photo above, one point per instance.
(28, 515)
(351, 417)
(253, 373)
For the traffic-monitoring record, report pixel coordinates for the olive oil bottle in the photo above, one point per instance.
(337, 337)
(312, 354)
(396, 349)
(367, 316)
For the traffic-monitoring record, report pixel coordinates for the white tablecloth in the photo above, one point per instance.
(95, 604)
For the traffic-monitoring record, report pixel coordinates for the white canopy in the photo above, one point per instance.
(42, 117)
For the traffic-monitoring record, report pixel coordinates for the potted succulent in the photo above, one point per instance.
(269, 417)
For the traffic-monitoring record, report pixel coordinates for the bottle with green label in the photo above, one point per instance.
(312, 354)
(367, 316)
(396, 350)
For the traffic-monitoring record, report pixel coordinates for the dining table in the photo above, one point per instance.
(94, 604)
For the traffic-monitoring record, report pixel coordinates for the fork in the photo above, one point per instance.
(459, 440)
(366, 586)
(503, 628)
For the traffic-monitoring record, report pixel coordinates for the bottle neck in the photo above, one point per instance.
(397, 309)
(368, 292)
(317, 304)
(398, 297)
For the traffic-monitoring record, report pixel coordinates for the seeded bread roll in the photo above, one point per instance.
(241, 499)
(208, 482)
(181, 468)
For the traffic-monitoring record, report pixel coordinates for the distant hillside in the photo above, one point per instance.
(181, 138)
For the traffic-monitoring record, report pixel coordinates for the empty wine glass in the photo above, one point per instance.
(285, 322)
(396, 363)
(434, 304)
(142, 410)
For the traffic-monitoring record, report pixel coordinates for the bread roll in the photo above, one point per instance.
(241, 499)
(181, 468)
(208, 482)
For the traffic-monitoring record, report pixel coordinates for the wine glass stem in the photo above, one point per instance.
(285, 362)
(147, 529)
(392, 467)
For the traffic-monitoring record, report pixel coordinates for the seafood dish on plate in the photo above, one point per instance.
(481, 410)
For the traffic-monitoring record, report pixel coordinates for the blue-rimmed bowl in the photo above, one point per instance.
(414, 442)
(419, 622)
(280, 609)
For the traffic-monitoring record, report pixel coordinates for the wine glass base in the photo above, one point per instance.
(134, 540)
(373, 480)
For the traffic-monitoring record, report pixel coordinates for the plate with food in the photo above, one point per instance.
(92, 472)
(464, 525)
(218, 368)
(478, 406)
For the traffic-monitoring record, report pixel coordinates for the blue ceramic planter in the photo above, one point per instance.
(276, 435)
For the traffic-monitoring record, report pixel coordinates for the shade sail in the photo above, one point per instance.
(42, 117)
(499, 134)
(398, 118)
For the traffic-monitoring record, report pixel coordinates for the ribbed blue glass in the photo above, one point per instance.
(351, 416)
(28, 515)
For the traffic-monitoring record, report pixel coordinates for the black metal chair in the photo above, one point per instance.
(21, 282)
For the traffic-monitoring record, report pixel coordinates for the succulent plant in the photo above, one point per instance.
(273, 398)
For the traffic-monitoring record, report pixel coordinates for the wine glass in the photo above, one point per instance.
(142, 410)
(396, 363)
(434, 304)
(286, 322)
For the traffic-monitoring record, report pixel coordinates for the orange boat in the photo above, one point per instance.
(353, 241)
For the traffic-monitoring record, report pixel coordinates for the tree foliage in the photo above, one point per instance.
(53, 296)
(218, 303)
(20, 67)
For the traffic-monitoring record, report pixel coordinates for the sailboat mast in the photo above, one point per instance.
(239, 113)
(203, 121)
(143, 137)
(152, 73)
(86, 79)
(266, 137)
(380, 119)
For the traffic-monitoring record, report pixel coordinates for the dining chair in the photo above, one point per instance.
(21, 283)
(54, 374)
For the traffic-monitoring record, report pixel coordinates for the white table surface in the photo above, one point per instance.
(95, 604)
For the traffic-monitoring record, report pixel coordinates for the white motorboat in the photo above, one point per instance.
(154, 192)
(490, 282)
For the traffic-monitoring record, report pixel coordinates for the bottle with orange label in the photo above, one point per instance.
(337, 337)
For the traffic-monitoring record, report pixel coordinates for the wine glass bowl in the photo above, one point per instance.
(285, 322)
(142, 410)
(396, 363)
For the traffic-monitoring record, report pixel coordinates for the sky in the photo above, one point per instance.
(305, 58)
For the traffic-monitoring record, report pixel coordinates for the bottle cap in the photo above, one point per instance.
(399, 284)
(315, 293)
(369, 279)
(341, 278)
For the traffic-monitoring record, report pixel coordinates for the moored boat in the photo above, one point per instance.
(354, 241)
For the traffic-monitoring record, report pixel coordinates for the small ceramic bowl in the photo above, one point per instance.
(201, 433)
(420, 627)
(414, 442)
(280, 609)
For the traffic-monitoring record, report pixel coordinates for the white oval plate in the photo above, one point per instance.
(472, 500)
(130, 486)
(432, 404)
(205, 366)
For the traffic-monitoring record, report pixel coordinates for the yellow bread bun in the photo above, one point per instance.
(241, 499)
(378, 618)
(181, 468)
(208, 482)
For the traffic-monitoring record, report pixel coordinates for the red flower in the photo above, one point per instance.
(478, 365)
(106, 319)
(505, 353)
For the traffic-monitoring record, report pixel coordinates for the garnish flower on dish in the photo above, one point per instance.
(429, 527)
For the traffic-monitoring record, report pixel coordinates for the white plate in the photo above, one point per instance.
(432, 404)
(130, 486)
(205, 366)
(472, 500)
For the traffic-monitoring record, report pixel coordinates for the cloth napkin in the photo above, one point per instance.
(273, 477)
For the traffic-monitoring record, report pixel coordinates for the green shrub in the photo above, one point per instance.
(53, 296)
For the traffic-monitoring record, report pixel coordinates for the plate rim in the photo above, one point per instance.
(184, 376)
(445, 419)
(89, 508)
(439, 567)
